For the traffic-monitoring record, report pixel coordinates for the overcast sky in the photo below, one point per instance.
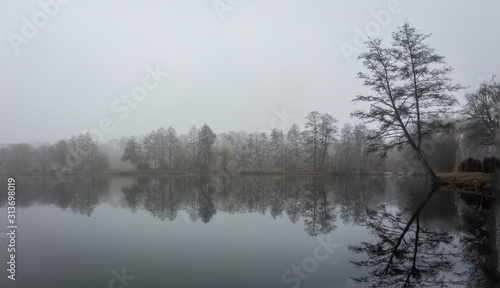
(236, 65)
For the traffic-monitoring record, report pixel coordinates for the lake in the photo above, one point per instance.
(248, 232)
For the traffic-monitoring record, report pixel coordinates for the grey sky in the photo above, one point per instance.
(235, 69)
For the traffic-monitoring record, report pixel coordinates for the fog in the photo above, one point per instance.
(68, 67)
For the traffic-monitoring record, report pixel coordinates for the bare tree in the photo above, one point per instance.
(312, 139)
(294, 147)
(360, 133)
(152, 152)
(344, 149)
(278, 148)
(318, 136)
(87, 149)
(482, 116)
(133, 152)
(20, 157)
(43, 158)
(225, 156)
(162, 150)
(262, 151)
(327, 130)
(411, 92)
(249, 152)
(206, 139)
(192, 140)
(171, 142)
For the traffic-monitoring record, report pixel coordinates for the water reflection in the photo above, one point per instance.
(80, 194)
(422, 239)
(309, 198)
(316, 201)
(479, 247)
(446, 241)
(318, 212)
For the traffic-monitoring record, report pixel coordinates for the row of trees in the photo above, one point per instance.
(316, 148)
(481, 111)
(80, 153)
(162, 149)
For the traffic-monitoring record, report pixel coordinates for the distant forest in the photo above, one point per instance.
(319, 146)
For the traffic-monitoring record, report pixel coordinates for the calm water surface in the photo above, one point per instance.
(247, 232)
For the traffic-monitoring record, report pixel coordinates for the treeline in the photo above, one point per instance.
(316, 148)
(319, 146)
(80, 153)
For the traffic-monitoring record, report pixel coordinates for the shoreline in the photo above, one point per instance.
(167, 173)
(467, 182)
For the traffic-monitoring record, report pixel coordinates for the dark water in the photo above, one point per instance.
(248, 232)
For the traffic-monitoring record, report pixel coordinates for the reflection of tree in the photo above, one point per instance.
(192, 203)
(85, 194)
(318, 212)
(352, 195)
(406, 253)
(162, 199)
(206, 206)
(442, 211)
(133, 194)
(483, 202)
(61, 195)
(79, 194)
(277, 198)
(478, 244)
(293, 205)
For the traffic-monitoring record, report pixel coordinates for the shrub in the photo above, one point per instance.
(490, 164)
(470, 165)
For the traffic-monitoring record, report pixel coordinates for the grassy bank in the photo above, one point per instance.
(467, 182)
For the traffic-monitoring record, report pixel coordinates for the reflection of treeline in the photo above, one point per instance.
(318, 201)
(79, 194)
(314, 199)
